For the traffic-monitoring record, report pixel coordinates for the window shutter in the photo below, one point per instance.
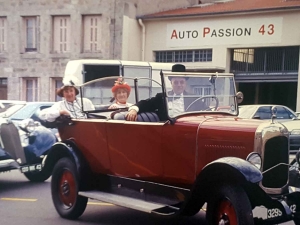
(38, 34)
(92, 33)
(3, 34)
(61, 34)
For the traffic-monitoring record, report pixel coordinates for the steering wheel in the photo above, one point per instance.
(208, 108)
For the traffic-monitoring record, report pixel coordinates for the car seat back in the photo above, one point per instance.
(148, 117)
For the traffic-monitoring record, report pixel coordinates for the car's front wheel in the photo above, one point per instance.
(64, 189)
(229, 205)
(39, 176)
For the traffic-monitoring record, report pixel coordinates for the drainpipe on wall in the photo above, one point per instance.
(143, 38)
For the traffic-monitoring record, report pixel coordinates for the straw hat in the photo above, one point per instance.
(68, 81)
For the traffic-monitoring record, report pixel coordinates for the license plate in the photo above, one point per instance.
(31, 168)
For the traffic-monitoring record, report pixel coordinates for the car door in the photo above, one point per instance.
(135, 148)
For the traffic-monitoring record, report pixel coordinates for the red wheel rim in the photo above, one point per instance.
(67, 189)
(226, 213)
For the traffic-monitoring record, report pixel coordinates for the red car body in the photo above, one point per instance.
(173, 167)
(166, 153)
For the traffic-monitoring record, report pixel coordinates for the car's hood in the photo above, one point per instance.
(223, 121)
(291, 124)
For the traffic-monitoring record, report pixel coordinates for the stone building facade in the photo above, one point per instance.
(38, 38)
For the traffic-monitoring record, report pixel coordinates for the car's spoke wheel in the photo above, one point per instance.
(67, 186)
(226, 213)
(229, 205)
(64, 188)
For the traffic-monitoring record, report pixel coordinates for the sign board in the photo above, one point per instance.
(225, 32)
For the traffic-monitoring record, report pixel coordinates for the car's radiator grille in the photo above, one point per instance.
(276, 151)
(11, 141)
(294, 143)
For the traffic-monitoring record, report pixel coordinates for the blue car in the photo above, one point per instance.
(24, 141)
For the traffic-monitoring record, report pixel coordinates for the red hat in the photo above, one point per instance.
(120, 84)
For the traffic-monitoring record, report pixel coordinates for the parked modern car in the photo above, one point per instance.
(173, 167)
(20, 110)
(283, 114)
(264, 112)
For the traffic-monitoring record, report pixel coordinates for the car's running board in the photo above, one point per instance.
(131, 203)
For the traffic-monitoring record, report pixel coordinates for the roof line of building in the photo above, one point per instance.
(291, 8)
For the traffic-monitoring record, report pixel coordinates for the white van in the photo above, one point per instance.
(87, 70)
(90, 69)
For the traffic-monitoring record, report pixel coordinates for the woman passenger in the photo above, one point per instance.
(121, 91)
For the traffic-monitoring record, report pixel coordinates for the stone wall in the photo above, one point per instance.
(14, 64)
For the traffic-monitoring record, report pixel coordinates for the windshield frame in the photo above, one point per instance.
(164, 78)
(135, 88)
(163, 86)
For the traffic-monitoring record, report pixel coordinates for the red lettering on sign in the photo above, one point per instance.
(271, 29)
(174, 34)
(262, 30)
(206, 30)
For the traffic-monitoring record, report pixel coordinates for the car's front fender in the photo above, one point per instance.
(220, 172)
(250, 172)
(62, 149)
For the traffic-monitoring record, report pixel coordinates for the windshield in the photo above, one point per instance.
(200, 92)
(99, 91)
(10, 109)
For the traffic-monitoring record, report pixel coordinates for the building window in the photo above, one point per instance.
(30, 89)
(61, 34)
(243, 55)
(265, 60)
(30, 26)
(3, 34)
(56, 84)
(201, 55)
(92, 33)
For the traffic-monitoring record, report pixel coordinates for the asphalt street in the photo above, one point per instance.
(26, 203)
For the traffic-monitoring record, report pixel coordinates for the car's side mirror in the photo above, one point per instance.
(239, 97)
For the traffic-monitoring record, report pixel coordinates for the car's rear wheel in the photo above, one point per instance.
(229, 205)
(64, 189)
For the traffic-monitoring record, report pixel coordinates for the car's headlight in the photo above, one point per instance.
(295, 132)
(255, 159)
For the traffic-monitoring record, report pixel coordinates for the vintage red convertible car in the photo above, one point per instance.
(173, 167)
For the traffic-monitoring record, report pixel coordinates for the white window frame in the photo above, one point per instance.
(61, 34)
(56, 82)
(3, 34)
(92, 26)
(30, 31)
(33, 90)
